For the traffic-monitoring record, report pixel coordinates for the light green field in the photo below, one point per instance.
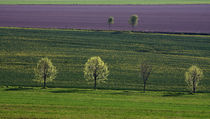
(114, 2)
(31, 103)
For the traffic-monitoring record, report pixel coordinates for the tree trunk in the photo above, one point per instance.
(144, 86)
(45, 77)
(132, 28)
(193, 86)
(95, 83)
(95, 78)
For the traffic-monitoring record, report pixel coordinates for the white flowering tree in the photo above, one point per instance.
(96, 70)
(192, 77)
(45, 71)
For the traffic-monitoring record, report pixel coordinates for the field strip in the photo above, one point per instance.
(153, 18)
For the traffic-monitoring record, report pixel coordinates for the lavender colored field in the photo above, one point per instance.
(153, 18)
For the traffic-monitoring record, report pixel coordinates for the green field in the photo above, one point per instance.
(105, 2)
(170, 54)
(34, 103)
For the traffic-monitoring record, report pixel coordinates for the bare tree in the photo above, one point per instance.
(145, 70)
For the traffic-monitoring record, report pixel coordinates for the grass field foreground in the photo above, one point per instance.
(105, 2)
(74, 103)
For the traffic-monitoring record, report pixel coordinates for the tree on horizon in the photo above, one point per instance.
(110, 21)
(133, 21)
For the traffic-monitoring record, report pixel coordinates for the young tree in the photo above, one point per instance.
(133, 21)
(193, 76)
(110, 21)
(145, 70)
(45, 71)
(96, 70)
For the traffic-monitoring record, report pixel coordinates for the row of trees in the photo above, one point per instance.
(96, 71)
(133, 21)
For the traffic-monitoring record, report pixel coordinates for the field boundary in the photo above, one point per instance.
(110, 4)
(117, 31)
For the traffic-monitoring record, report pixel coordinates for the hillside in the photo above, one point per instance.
(170, 54)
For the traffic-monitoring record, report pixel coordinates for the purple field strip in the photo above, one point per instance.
(154, 18)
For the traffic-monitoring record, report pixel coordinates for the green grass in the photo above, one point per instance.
(114, 2)
(26, 103)
(171, 55)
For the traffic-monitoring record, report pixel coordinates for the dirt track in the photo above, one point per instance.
(156, 18)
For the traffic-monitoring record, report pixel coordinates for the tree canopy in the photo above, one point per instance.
(133, 21)
(45, 71)
(193, 76)
(145, 70)
(96, 70)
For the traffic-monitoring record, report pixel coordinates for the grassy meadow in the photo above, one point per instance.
(170, 55)
(59, 103)
(108, 2)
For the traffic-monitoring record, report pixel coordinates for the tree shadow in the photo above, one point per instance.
(18, 89)
(205, 91)
(117, 32)
(174, 94)
(124, 93)
(71, 91)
